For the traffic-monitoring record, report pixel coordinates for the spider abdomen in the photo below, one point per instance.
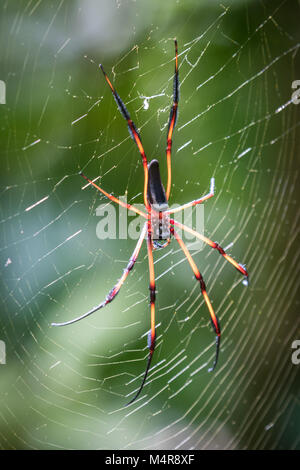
(156, 190)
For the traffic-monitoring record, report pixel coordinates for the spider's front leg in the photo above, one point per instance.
(172, 121)
(132, 131)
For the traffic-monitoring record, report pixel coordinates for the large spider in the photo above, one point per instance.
(159, 227)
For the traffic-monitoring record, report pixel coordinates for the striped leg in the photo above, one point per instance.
(172, 121)
(196, 201)
(115, 290)
(132, 131)
(114, 199)
(151, 336)
(216, 246)
(198, 276)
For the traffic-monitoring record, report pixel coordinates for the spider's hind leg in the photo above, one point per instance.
(240, 267)
(214, 319)
(152, 334)
(115, 290)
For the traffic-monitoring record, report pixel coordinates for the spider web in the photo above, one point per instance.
(67, 387)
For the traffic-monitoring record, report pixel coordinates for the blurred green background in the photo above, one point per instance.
(67, 387)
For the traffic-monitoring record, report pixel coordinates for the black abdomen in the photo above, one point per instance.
(156, 191)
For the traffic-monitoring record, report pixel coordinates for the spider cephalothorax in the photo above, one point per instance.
(159, 227)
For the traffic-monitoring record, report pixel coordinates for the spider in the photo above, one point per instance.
(159, 227)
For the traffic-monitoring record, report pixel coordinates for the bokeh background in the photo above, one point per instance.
(67, 387)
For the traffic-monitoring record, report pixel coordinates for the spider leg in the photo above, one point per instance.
(172, 121)
(198, 276)
(132, 131)
(151, 336)
(114, 199)
(115, 290)
(215, 246)
(196, 201)
(158, 246)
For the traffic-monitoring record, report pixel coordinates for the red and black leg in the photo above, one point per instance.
(151, 335)
(215, 246)
(172, 121)
(214, 319)
(196, 201)
(114, 199)
(132, 131)
(115, 290)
